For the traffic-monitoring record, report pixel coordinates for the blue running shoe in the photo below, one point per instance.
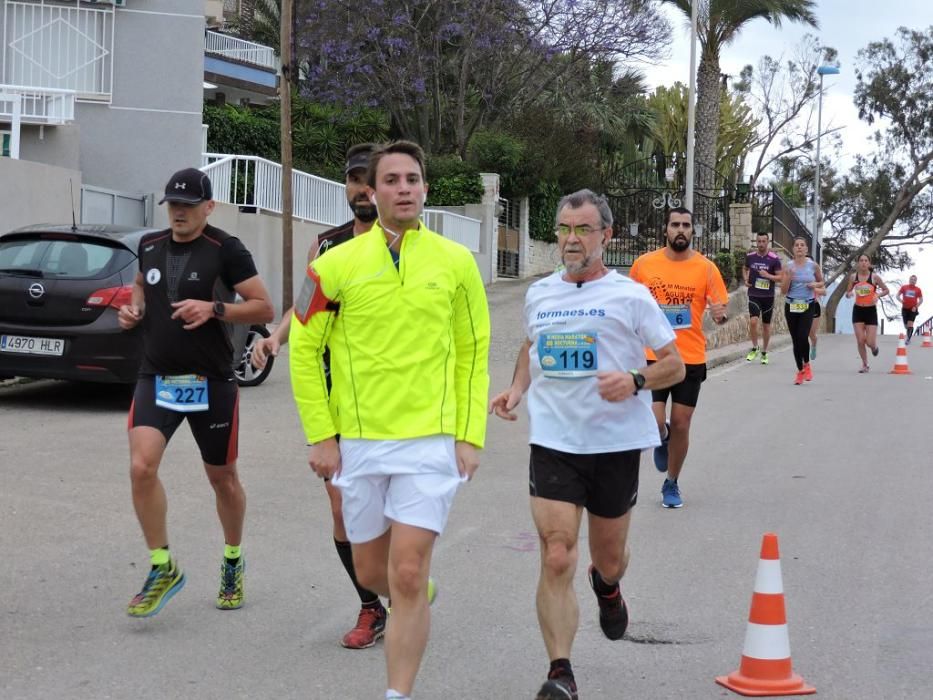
(670, 495)
(660, 453)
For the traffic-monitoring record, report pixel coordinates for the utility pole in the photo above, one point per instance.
(691, 107)
(285, 98)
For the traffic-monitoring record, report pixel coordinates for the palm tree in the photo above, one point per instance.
(719, 23)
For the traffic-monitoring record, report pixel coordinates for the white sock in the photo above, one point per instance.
(395, 695)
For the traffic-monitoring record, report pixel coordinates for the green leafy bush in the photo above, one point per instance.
(542, 207)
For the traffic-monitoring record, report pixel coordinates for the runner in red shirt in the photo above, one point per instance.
(910, 297)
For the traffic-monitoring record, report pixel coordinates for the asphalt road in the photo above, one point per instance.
(839, 468)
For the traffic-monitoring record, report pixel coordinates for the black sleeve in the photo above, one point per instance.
(236, 262)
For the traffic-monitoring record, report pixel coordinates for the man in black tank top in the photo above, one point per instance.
(189, 275)
(371, 620)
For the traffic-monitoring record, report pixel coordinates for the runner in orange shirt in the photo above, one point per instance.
(684, 283)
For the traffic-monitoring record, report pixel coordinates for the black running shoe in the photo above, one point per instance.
(613, 613)
(558, 687)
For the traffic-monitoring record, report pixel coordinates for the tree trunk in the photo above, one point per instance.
(707, 134)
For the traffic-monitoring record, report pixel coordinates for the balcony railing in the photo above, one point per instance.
(250, 181)
(238, 49)
(37, 105)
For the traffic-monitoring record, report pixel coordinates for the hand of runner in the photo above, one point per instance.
(128, 316)
(716, 310)
(324, 458)
(262, 349)
(615, 386)
(194, 312)
(503, 404)
(467, 459)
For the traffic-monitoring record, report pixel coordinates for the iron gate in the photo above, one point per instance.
(640, 195)
(508, 239)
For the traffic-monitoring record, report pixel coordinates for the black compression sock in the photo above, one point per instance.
(560, 667)
(600, 585)
(345, 552)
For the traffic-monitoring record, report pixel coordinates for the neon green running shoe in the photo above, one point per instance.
(764, 358)
(432, 594)
(230, 596)
(161, 584)
(752, 354)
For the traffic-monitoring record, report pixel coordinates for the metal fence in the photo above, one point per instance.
(238, 49)
(50, 45)
(256, 183)
(508, 236)
(37, 105)
(788, 226)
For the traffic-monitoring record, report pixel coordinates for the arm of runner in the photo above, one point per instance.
(266, 347)
(884, 288)
(900, 295)
(745, 272)
(471, 341)
(717, 296)
(308, 337)
(666, 371)
(131, 314)
(850, 285)
(505, 402)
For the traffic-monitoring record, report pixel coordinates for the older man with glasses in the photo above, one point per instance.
(583, 366)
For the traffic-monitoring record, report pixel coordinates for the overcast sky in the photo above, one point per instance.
(847, 26)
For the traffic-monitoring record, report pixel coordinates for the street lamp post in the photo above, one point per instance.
(817, 229)
(691, 106)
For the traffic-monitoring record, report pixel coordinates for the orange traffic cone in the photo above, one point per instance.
(900, 362)
(927, 340)
(766, 669)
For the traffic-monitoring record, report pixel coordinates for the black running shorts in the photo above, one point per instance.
(606, 484)
(816, 308)
(908, 315)
(686, 392)
(761, 306)
(215, 430)
(865, 314)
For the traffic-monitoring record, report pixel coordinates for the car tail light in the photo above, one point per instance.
(111, 296)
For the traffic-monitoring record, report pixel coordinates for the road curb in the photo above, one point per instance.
(731, 353)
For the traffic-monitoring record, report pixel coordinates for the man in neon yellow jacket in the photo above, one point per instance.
(404, 313)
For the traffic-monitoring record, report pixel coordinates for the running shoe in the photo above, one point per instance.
(863, 370)
(660, 453)
(812, 352)
(807, 372)
(764, 358)
(752, 354)
(613, 612)
(432, 594)
(161, 584)
(799, 377)
(370, 626)
(670, 494)
(230, 596)
(558, 687)
(874, 351)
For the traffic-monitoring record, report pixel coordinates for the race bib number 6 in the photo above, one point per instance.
(678, 315)
(569, 355)
(185, 393)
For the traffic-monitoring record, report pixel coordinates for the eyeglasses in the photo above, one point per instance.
(580, 231)
(680, 224)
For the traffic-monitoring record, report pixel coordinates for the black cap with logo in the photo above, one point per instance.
(188, 186)
(358, 157)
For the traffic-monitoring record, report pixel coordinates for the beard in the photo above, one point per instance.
(577, 267)
(364, 211)
(679, 244)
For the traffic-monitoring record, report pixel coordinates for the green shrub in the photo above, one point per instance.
(455, 190)
(542, 206)
(725, 261)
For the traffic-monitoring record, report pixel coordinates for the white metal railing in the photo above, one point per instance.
(38, 105)
(239, 49)
(57, 46)
(252, 181)
(456, 227)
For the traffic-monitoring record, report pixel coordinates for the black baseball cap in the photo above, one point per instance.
(358, 157)
(188, 186)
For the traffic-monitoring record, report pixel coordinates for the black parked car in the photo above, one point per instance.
(60, 289)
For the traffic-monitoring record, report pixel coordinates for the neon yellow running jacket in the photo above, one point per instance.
(409, 347)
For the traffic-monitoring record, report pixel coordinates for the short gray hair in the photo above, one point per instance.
(581, 197)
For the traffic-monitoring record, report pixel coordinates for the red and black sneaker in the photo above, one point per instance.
(613, 612)
(558, 686)
(370, 626)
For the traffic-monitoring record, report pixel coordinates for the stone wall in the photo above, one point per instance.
(541, 259)
(735, 330)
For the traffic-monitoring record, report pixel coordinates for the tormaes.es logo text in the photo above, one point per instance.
(567, 313)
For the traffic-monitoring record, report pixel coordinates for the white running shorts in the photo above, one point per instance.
(412, 482)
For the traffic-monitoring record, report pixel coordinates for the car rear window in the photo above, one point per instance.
(63, 259)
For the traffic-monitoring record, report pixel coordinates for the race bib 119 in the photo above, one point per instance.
(570, 355)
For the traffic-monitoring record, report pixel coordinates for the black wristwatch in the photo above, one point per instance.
(639, 380)
(219, 309)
